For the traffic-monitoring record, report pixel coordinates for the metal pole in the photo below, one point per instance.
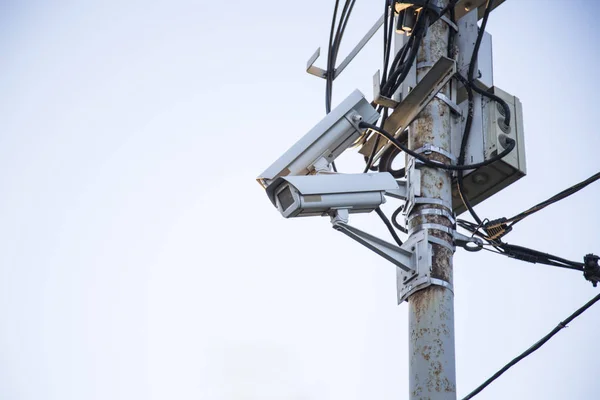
(431, 310)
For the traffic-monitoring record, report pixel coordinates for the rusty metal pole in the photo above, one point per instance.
(431, 310)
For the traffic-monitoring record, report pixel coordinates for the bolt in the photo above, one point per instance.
(468, 6)
(356, 118)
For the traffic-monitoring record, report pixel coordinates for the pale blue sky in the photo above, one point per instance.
(140, 259)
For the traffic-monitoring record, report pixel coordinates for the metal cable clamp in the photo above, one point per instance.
(451, 24)
(433, 211)
(409, 282)
(471, 244)
(429, 148)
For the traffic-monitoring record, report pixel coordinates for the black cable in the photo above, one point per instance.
(342, 27)
(329, 73)
(533, 348)
(538, 257)
(520, 252)
(388, 224)
(471, 86)
(435, 164)
(463, 152)
(470, 75)
(486, 14)
(422, 25)
(451, 33)
(500, 227)
(395, 220)
(401, 54)
(400, 68)
(511, 248)
(386, 161)
(468, 83)
(376, 144)
(388, 31)
(398, 74)
(557, 197)
(334, 44)
(492, 96)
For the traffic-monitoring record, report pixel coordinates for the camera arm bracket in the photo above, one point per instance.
(413, 258)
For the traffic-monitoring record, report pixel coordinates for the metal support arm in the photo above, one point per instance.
(401, 257)
(413, 258)
(321, 73)
(409, 108)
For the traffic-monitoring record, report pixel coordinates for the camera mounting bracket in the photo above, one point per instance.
(413, 258)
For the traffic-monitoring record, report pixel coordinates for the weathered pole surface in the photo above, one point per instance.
(431, 310)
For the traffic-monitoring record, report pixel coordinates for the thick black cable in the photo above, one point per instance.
(329, 73)
(514, 249)
(557, 197)
(538, 257)
(400, 56)
(486, 14)
(386, 162)
(468, 83)
(376, 144)
(451, 34)
(334, 44)
(471, 85)
(507, 224)
(342, 27)
(395, 220)
(435, 164)
(522, 253)
(413, 53)
(372, 155)
(533, 348)
(463, 151)
(389, 225)
(470, 75)
(388, 31)
(507, 115)
(397, 75)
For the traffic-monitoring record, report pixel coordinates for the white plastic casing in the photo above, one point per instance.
(326, 141)
(302, 196)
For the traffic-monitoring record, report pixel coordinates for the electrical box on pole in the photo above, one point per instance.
(488, 133)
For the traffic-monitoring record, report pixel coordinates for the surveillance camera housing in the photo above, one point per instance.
(325, 142)
(320, 195)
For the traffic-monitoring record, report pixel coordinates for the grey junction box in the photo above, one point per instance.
(486, 181)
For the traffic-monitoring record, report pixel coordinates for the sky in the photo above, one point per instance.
(141, 260)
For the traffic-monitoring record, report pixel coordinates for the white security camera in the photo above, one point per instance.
(325, 142)
(321, 195)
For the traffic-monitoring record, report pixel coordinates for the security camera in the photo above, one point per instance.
(325, 142)
(321, 195)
